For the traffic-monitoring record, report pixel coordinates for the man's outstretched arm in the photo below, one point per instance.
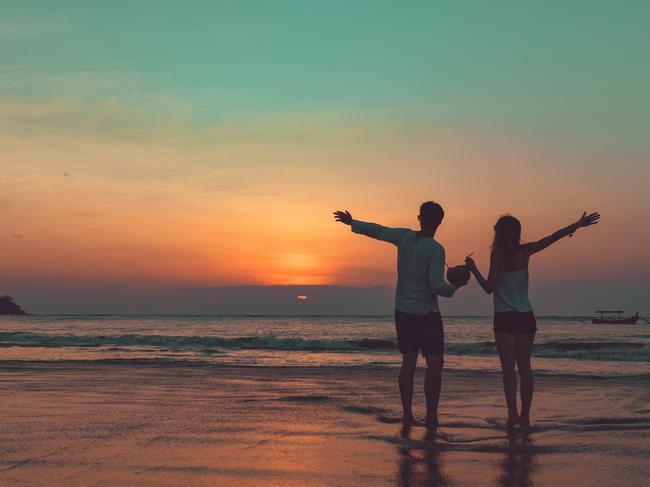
(387, 234)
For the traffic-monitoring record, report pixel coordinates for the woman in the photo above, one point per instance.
(514, 322)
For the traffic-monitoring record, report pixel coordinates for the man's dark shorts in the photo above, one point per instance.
(420, 332)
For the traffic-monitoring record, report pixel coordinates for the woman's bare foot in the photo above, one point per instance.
(513, 420)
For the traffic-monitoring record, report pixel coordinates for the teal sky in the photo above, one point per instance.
(544, 66)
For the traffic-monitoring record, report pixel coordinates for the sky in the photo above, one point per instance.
(152, 149)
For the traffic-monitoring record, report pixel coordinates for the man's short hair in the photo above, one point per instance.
(431, 214)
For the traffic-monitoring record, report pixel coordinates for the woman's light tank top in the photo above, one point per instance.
(511, 293)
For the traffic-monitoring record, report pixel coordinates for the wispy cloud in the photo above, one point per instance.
(106, 117)
(23, 28)
(137, 116)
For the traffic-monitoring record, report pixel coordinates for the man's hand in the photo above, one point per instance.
(343, 217)
(586, 220)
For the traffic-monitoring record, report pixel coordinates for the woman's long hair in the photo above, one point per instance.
(507, 239)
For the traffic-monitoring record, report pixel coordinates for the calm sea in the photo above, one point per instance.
(564, 345)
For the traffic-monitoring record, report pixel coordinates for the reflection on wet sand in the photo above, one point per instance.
(419, 466)
(518, 464)
(420, 460)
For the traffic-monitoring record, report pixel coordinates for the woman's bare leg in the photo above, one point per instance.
(523, 351)
(506, 348)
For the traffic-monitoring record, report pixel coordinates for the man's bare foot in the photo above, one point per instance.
(432, 434)
(408, 419)
(513, 419)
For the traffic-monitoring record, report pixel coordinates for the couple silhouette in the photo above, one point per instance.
(421, 279)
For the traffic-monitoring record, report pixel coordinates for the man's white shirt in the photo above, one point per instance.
(420, 267)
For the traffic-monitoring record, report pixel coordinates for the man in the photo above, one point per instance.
(420, 279)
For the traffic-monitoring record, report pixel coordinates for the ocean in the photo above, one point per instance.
(306, 400)
(564, 345)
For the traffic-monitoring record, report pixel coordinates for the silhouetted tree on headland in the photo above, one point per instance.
(8, 307)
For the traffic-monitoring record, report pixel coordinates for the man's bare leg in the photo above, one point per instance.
(406, 374)
(432, 385)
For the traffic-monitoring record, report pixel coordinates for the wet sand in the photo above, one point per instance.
(150, 424)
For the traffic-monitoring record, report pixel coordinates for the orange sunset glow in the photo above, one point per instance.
(107, 222)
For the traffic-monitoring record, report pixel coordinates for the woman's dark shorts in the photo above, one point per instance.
(420, 332)
(515, 322)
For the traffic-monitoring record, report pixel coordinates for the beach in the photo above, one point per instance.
(219, 216)
(138, 423)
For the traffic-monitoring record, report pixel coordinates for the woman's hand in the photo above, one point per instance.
(343, 217)
(471, 265)
(586, 220)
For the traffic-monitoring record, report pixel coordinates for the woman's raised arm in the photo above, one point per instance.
(584, 221)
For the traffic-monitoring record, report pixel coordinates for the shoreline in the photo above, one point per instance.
(317, 369)
(229, 315)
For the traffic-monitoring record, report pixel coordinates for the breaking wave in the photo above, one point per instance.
(586, 350)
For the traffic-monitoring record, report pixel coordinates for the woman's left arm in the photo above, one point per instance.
(584, 221)
(490, 283)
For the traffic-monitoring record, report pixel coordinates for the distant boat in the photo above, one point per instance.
(618, 320)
